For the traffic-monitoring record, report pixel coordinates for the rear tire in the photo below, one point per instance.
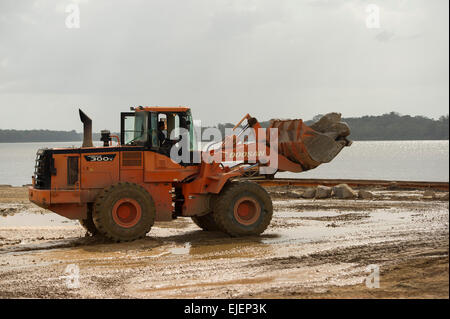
(124, 212)
(243, 209)
(206, 222)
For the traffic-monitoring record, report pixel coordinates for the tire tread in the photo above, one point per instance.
(223, 205)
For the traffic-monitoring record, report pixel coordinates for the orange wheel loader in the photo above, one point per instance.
(120, 189)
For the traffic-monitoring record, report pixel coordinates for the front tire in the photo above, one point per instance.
(124, 212)
(243, 209)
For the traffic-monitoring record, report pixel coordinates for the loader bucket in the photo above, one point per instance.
(310, 146)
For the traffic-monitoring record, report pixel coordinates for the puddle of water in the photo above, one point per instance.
(118, 255)
(294, 214)
(315, 232)
(184, 250)
(24, 219)
(228, 248)
(235, 282)
(389, 216)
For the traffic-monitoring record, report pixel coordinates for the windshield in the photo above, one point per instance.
(135, 129)
(193, 138)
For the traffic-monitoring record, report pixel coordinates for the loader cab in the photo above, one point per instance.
(143, 127)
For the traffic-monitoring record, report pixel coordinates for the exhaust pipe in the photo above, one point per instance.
(87, 130)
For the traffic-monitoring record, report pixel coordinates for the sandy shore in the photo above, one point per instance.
(313, 249)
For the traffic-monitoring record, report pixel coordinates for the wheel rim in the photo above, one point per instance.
(247, 210)
(126, 212)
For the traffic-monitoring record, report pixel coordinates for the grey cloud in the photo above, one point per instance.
(385, 36)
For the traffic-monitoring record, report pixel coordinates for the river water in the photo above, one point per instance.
(387, 160)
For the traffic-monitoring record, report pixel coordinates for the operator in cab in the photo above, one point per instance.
(161, 134)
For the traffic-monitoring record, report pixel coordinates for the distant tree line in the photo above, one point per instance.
(391, 126)
(18, 136)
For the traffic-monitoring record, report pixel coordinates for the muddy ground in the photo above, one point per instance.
(312, 249)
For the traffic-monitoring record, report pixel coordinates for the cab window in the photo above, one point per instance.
(135, 129)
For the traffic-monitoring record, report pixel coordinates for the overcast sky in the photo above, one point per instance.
(223, 58)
